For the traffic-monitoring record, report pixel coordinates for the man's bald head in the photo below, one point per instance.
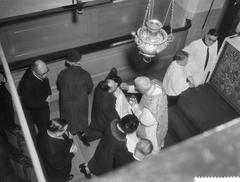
(40, 68)
(142, 84)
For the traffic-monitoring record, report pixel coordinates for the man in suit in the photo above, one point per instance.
(74, 84)
(34, 90)
(111, 151)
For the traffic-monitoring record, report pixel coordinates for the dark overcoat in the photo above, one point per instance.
(111, 152)
(103, 109)
(56, 156)
(34, 93)
(74, 84)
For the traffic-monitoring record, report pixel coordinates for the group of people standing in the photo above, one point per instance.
(192, 66)
(129, 130)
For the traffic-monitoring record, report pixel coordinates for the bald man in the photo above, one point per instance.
(151, 111)
(34, 91)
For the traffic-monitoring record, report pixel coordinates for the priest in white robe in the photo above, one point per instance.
(202, 57)
(152, 111)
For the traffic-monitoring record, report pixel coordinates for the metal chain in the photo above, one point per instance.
(172, 16)
(170, 5)
(148, 12)
(152, 9)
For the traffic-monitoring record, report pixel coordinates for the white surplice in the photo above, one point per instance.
(122, 106)
(197, 51)
(175, 79)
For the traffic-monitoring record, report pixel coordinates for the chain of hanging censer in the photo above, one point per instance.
(151, 38)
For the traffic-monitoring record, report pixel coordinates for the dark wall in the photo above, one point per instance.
(53, 32)
(230, 20)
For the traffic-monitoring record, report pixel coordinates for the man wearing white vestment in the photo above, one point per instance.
(176, 78)
(202, 57)
(151, 111)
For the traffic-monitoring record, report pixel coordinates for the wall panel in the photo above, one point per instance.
(44, 34)
(125, 58)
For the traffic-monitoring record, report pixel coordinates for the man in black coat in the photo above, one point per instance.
(111, 152)
(34, 90)
(74, 84)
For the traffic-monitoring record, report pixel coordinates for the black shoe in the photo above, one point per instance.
(83, 138)
(83, 170)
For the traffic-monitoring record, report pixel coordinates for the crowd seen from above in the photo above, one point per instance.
(131, 121)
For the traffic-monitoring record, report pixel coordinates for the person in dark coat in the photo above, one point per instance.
(56, 150)
(34, 90)
(74, 84)
(104, 106)
(111, 152)
(103, 110)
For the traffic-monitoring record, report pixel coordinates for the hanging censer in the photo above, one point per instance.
(151, 38)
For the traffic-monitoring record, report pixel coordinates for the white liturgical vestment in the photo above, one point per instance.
(197, 51)
(122, 106)
(175, 79)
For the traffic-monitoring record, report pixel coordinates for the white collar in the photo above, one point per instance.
(116, 92)
(137, 159)
(37, 76)
(54, 136)
(120, 128)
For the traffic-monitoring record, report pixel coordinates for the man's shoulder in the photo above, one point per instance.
(64, 71)
(28, 73)
(28, 77)
(74, 71)
(157, 82)
(196, 42)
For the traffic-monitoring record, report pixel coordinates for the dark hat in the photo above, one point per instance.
(73, 56)
(128, 123)
(113, 75)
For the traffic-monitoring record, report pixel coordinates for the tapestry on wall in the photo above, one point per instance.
(226, 77)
